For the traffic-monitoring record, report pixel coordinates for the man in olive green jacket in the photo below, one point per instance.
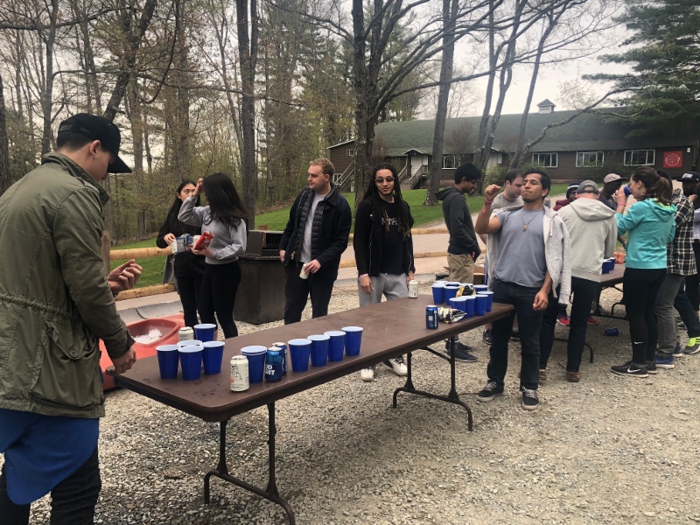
(55, 305)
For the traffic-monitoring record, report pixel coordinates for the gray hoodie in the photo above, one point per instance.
(557, 252)
(593, 230)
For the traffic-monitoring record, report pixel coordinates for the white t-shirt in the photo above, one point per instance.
(308, 229)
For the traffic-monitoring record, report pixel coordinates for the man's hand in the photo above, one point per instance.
(693, 198)
(169, 238)
(123, 363)
(282, 252)
(491, 192)
(541, 301)
(124, 277)
(366, 284)
(198, 189)
(313, 266)
(409, 278)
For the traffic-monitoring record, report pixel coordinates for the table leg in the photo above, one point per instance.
(452, 397)
(590, 348)
(221, 470)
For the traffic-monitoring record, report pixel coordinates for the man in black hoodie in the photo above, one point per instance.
(464, 246)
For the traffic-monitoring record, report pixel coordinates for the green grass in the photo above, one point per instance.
(277, 220)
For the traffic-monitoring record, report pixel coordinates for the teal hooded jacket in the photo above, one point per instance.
(651, 227)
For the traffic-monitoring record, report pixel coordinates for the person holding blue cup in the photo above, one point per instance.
(383, 248)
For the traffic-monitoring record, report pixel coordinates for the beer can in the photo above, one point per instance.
(413, 289)
(273, 364)
(185, 334)
(431, 317)
(283, 348)
(612, 332)
(239, 373)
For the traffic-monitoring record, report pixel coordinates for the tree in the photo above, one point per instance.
(5, 178)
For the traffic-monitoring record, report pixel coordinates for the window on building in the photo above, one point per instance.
(589, 159)
(449, 162)
(545, 160)
(350, 152)
(640, 157)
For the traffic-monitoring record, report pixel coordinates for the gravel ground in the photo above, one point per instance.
(606, 450)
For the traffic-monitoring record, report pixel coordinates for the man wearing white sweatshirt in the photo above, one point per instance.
(593, 231)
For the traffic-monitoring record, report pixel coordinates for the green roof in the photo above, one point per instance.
(587, 132)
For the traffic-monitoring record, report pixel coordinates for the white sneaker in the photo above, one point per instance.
(398, 366)
(367, 374)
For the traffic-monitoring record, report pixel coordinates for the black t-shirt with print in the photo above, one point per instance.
(392, 244)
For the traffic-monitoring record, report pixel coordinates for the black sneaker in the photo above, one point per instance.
(460, 346)
(515, 335)
(486, 336)
(651, 367)
(530, 399)
(463, 355)
(490, 391)
(631, 370)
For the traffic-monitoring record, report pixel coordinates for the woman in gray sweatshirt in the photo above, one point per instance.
(225, 217)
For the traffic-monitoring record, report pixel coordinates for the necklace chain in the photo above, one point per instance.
(525, 225)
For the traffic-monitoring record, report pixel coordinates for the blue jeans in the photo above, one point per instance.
(529, 322)
(685, 310)
(584, 292)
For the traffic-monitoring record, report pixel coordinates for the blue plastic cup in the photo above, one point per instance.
(353, 340)
(438, 293)
(191, 342)
(480, 304)
(628, 192)
(336, 345)
(213, 355)
(256, 362)
(489, 303)
(168, 360)
(480, 288)
(319, 349)
(450, 292)
(459, 303)
(205, 332)
(612, 263)
(469, 305)
(299, 351)
(452, 283)
(191, 361)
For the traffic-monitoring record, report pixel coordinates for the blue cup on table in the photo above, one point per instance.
(438, 293)
(168, 359)
(213, 356)
(336, 345)
(205, 332)
(489, 303)
(319, 349)
(452, 283)
(450, 292)
(191, 342)
(256, 362)
(480, 288)
(459, 303)
(480, 304)
(299, 351)
(353, 340)
(612, 263)
(191, 361)
(606, 266)
(469, 305)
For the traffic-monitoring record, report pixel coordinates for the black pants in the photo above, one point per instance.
(640, 290)
(692, 282)
(297, 292)
(584, 292)
(687, 313)
(73, 500)
(189, 289)
(529, 321)
(218, 295)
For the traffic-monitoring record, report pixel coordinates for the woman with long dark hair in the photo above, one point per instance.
(188, 268)
(226, 218)
(383, 247)
(651, 225)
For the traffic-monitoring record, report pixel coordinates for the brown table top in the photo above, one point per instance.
(614, 277)
(390, 329)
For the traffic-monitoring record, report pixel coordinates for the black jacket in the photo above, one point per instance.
(330, 232)
(187, 264)
(458, 220)
(369, 239)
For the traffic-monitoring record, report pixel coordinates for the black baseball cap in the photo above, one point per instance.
(97, 128)
(690, 176)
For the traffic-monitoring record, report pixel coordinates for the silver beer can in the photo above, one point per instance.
(239, 373)
(413, 289)
(185, 334)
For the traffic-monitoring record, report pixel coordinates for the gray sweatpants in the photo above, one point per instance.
(389, 285)
(666, 315)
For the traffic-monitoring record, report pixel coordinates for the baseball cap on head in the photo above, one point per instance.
(690, 176)
(611, 177)
(588, 186)
(97, 128)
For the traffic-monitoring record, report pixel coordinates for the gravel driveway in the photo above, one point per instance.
(607, 450)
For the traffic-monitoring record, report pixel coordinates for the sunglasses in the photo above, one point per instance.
(382, 181)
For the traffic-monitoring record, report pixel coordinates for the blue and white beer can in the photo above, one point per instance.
(273, 364)
(431, 317)
(283, 348)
